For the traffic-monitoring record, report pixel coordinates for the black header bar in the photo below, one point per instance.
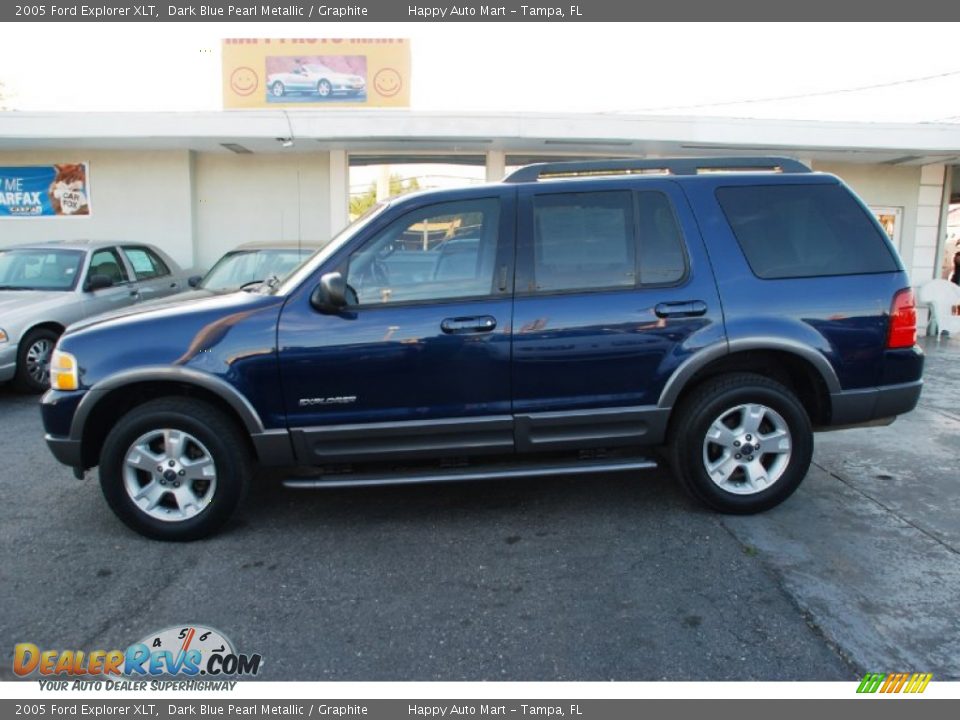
(553, 11)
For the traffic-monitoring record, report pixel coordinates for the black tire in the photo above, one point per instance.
(24, 380)
(721, 397)
(277, 89)
(217, 433)
(324, 89)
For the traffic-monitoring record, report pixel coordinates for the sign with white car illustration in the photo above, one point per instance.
(38, 191)
(272, 72)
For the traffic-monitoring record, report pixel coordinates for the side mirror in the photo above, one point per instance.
(98, 282)
(331, 294)
(194, 280)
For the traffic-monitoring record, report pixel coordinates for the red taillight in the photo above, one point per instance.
(903, 320)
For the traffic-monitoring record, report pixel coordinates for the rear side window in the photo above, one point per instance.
(146, 264)
(584, 241)
(788, 231)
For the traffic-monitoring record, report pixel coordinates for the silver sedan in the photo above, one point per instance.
(45, 287)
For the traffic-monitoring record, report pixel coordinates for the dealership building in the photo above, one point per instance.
(199, 183)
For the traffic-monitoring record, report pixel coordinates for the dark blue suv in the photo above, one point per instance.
(574, 318)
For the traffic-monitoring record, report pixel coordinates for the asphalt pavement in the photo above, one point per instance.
(587, 578)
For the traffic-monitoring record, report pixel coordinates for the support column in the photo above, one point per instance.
(339, 191)
(496, 165)
(926, 239)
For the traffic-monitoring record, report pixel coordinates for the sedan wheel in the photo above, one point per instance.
(324, 88)
(33, 361)
(277, 89)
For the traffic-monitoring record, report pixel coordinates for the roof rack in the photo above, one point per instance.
(673, 166)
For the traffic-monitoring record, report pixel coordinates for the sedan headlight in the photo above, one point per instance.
(63, 371)
(3, 336)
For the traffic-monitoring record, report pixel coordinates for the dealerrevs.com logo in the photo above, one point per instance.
(185, 651)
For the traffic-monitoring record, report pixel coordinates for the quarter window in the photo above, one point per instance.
(440, 252)
(662, 259)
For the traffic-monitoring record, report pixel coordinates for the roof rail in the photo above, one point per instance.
(674, 166)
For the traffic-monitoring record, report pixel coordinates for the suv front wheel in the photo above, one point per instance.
(743, 443)
(174, 469)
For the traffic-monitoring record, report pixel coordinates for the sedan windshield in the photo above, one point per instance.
(39, 269)
(244, 267)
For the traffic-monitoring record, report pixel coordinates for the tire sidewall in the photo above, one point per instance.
(231, 474)
(801, 439)
(25, 381)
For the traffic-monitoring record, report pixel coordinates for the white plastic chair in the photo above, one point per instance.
(941, 296)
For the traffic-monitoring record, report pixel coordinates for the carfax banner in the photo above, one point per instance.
(316, 72)
(37, 191)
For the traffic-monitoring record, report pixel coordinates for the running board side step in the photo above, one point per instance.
(494, 472)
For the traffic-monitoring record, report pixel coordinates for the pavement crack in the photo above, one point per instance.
(856, 669)
(907, 521)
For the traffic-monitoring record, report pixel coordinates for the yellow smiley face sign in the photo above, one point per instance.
(316, 72)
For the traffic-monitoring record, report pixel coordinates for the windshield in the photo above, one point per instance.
(242, 267)
(39, 269)
(344, 236)
(318, 69)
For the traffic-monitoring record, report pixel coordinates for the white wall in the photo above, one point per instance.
(241, 198)
(134, 196)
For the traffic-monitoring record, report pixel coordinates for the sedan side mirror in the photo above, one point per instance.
(330, 296)
(194, 280)
(98, 282)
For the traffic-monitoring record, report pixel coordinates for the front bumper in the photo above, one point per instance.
(65, 450)
(872, 405)
(8, 361)
(57, 409)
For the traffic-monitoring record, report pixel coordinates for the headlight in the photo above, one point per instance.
(63, 371)
(3, 336)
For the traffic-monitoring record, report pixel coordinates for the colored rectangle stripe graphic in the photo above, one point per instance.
(895, 683)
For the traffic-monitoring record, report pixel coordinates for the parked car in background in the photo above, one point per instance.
(45, 287)
(315, 78)
(250, 264)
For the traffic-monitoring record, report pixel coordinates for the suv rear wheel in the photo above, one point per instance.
(743, 443)
(174, 469)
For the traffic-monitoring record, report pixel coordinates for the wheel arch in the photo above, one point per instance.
(52, 325)
(109, 400)
(802, 369)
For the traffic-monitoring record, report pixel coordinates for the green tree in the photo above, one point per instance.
(359, 204)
